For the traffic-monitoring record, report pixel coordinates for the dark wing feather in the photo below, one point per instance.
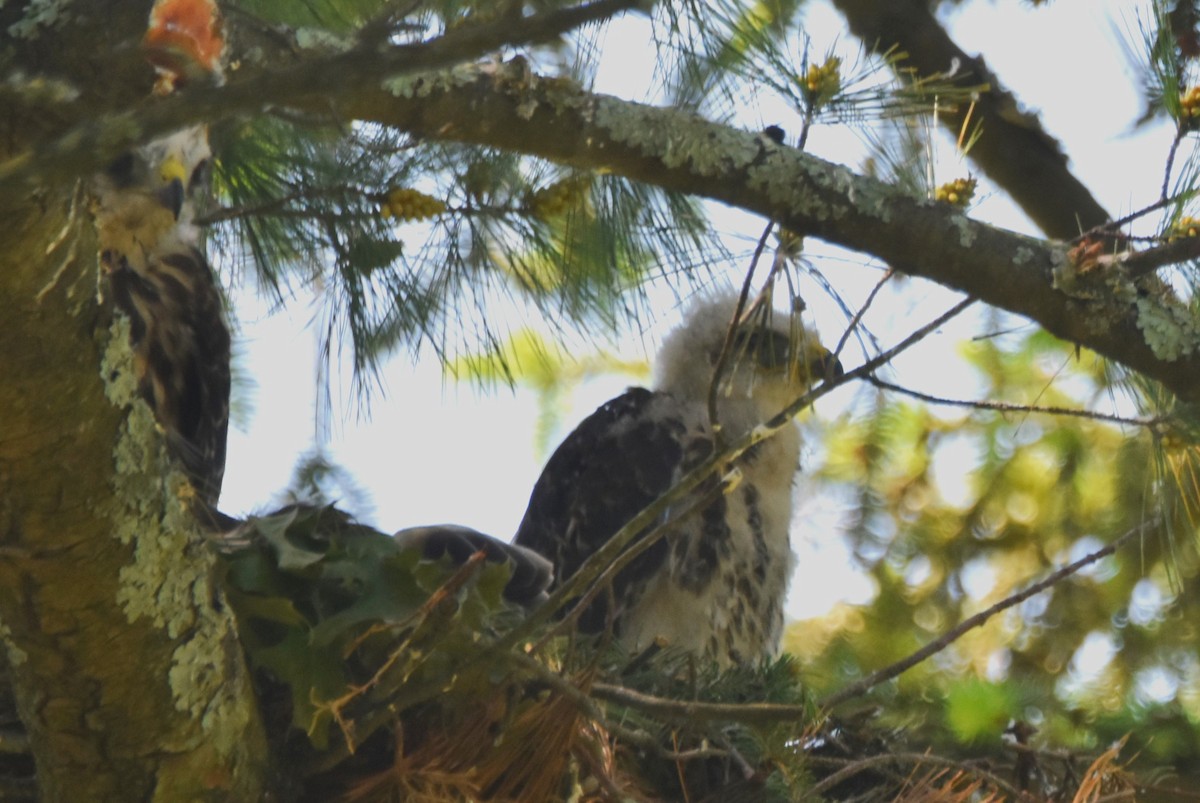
(620, 459)
(531, 572)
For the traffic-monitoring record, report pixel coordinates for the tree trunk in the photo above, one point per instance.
(126, 666)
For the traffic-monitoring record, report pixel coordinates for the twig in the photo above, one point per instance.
(67, 230)
(588, 708)
(858, 316)
(698, 711)
(1179, 135)
(277, 205)
(1140, 263)
(723, 357)
(1113, 225)
(1005, 407)
(917, 759)
(727, 344)
(727, 484)
(419, 619)
(955, 633)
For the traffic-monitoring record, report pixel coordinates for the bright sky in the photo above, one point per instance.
(436, 451)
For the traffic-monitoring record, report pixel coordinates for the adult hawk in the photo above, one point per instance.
(160, 279)
(715, 584)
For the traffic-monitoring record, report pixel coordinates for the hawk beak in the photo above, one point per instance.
(170, 195)
(827, 367)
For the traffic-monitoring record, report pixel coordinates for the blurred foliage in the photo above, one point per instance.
(949, 511)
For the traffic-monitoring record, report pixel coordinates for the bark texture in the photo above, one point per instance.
(126, 668)
(127, 671)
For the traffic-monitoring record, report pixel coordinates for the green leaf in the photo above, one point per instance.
(313, 676)
(276, 609)
(976, 709)
(386, 591)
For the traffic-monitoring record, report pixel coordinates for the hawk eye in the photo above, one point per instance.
(199, 174)
(121, 170)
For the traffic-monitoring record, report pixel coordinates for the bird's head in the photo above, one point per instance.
(145, 197)
(772, 358)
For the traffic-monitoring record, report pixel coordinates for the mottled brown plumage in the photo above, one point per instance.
(160, 279)
(715, 584)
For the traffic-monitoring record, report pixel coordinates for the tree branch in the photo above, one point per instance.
(314, 82)
(691, 710)
(1015, 151)
(952, 635)
(1004, 407)
(675, 150)
(509, 107)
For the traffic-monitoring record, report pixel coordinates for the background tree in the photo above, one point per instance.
(406, 162)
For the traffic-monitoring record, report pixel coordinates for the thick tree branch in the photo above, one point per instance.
(315, 82)
(1015, 151)
(511, 109)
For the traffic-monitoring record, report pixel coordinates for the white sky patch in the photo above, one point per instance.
(1101, 570)
(1088, 662)
(954, 460)
(977, 578)
(1146, 603)
(1155, 685)
(826, 572)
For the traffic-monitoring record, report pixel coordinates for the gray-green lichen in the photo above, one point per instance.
(422, 85)
(168, 580)
(677, 138)
(1168, 327)
(1023, 255)
(966, 231)
(322, 40)
(39, 14)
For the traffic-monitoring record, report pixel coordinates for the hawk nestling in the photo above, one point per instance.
(715, 584)
(160, 279)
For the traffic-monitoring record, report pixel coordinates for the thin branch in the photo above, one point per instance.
(727, 344)
(277, 206)
(606, 576)
(858, 316)
(1140, 263)
(1116, 225)
(1179, 135)
(949, 637)
(696, 711)
(587, 706)
(916, 759)
(1005, 407)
